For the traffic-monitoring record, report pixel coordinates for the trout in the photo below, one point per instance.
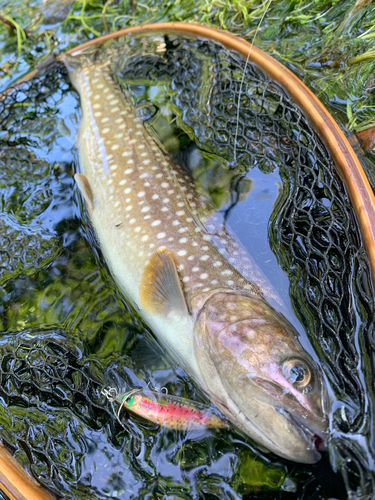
(213, 316)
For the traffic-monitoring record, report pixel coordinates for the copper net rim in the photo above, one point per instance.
(348, 165)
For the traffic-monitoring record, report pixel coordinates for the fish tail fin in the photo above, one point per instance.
(112, 55)
(76, 62)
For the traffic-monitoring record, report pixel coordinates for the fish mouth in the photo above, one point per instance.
(315, 438)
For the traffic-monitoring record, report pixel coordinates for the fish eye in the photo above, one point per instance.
(297, 373)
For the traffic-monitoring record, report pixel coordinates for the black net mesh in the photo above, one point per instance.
(313, 233)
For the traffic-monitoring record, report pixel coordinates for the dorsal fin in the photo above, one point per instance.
(85, 188)
(161, 290)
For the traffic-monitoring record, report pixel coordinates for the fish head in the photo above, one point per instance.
(260, 376)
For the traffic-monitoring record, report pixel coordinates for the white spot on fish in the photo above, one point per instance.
(155, 223)
(141, 194)
(181, 253)
(175, 223)
(122, 182)
(164, 185)
(182, 240)
(161, 235)
(185, 279)
(128, 208)
(129, 171)
(145, 209)
(180, 213)
(155, 197)
(132, 221)
(227, 272)
(137, 229)
(116, 146)
(127, 190)
(144, 238)
(205, 257)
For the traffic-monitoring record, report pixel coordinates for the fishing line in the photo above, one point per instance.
(243, 79)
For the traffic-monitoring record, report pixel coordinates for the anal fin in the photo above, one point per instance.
(85, 188)
(161, 291)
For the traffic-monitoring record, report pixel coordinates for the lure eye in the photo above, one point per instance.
(297, 373)
(129, 401)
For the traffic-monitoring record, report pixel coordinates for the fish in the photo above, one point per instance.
(166, 410)
(221, 322)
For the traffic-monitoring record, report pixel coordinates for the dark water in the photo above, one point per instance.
(66, 331)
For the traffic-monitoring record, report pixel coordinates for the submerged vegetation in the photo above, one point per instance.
(328, 43)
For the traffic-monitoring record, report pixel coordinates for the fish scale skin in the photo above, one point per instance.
(144, 198)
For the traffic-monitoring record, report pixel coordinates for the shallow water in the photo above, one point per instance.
(68, 301)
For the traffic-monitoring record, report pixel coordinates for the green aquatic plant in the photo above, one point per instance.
(327, 43)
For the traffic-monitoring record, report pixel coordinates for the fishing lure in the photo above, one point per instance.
(163, 409)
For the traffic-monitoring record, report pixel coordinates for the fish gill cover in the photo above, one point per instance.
(65, 328)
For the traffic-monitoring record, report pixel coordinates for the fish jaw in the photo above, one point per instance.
(242, 346)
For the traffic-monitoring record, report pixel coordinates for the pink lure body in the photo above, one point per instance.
(171, 411)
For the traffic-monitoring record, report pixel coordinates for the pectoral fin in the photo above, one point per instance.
(85, 188)
(161, 290)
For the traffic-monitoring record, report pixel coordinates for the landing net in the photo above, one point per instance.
(52, 415)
